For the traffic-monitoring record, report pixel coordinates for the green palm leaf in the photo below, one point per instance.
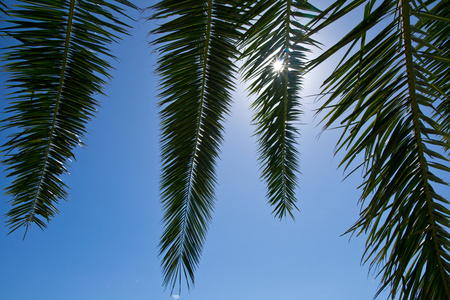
(392, 100)
(57, 64)
(275, 53)
(197, 46)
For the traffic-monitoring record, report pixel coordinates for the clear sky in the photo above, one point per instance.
(103, 244)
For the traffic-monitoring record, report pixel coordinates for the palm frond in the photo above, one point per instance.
(57, 64)
(275, 54)
(391, 96)
(196, 66)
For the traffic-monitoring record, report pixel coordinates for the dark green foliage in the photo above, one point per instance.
(198, 51)
(57, 63)
(391, 97)
(275, 37)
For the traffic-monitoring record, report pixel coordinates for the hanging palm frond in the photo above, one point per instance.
(275, 53)
(391, 96)
(196, 65)
(57, 64)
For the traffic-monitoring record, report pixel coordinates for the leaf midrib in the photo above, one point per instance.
(58, 101)
(406, 26)
(286, 83)
(199, 123)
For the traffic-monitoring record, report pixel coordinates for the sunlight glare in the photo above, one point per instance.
(278, 65)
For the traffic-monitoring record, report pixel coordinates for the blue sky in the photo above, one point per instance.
(103, 244)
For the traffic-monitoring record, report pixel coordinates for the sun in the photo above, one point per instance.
(278, 65)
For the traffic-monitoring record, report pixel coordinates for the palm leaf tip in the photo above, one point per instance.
(52, 82)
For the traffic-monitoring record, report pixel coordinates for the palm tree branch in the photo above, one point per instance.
(197, 46)
(55, 113)
(275, 37)
(408, 49)
(197, 139)
(57, 63)
(377, 94)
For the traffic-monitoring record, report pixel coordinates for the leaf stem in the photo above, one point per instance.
(55, 114)
(286, 95)
(406, 31)
(197, 134)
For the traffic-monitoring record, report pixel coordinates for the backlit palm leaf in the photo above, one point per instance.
(197, 47)
(392, 98)
(275, 53)
(56, 64)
